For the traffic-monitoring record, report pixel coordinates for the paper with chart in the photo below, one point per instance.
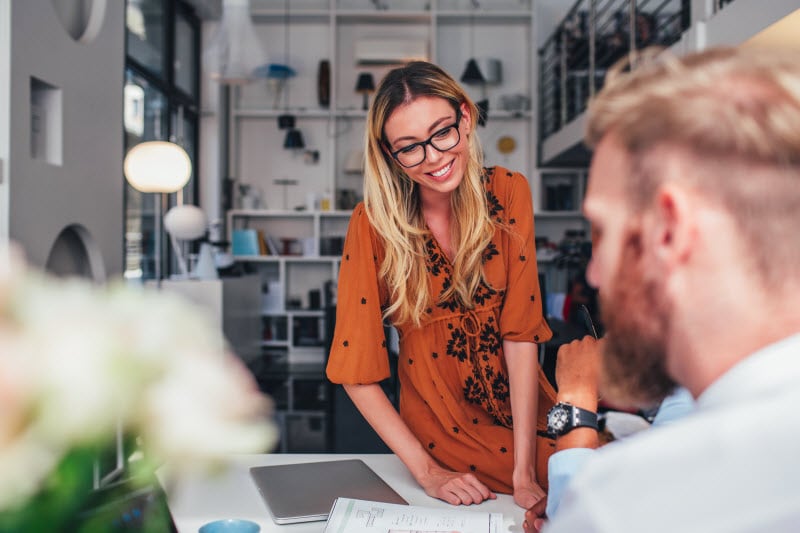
(361, 516)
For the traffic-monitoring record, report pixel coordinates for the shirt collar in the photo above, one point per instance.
(762, 372)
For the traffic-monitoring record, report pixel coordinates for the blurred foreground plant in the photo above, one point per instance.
(80, 363)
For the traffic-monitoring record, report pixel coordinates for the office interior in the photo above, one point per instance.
(275, 160)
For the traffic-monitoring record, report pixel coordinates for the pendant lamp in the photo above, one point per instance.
(234, 52)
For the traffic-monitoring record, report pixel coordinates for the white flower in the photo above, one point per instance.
(76, 359)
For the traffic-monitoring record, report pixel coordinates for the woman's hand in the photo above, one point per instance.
(456, 488)
(526, 495)
(535, 517)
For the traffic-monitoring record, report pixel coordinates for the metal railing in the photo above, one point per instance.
(593, 36)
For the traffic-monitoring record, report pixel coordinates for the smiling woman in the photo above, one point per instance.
(443, 249)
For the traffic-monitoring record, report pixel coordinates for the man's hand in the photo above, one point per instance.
(578, 372)
(535, 517)
(456, 488)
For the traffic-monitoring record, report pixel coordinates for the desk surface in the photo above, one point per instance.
(232, 494)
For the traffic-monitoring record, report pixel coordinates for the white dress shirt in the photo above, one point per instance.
(731, 466)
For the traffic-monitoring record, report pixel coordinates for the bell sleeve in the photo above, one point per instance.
(358, 353)
(522, 318)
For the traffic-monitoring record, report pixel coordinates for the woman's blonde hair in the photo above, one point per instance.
(393, 205)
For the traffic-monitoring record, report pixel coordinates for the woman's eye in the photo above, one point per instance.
(442, 133)
(408, 149)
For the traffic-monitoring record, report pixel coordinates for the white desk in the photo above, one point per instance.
(232, 494)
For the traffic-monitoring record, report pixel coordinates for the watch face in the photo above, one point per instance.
(557, 419)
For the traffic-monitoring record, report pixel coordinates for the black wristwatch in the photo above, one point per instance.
(563, 418)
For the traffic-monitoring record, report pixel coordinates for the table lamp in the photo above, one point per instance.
(365, 85)
(187, 223)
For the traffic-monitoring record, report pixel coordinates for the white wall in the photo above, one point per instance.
(83, 185)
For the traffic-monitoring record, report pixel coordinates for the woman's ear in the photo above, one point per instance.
(466, 118)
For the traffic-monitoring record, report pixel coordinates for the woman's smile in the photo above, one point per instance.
(442, 173)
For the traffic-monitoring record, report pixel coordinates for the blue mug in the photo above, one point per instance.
(230, 526)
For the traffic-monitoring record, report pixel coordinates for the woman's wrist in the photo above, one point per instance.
(523, 475)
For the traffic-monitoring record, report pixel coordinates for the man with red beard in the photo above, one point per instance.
(694, 201)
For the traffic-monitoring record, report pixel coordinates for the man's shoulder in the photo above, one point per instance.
(714, 470)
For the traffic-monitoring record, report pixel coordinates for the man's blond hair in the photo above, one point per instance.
(733, 115)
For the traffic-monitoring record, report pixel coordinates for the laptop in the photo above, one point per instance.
(305, 492)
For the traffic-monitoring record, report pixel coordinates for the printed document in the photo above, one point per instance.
(362, 516)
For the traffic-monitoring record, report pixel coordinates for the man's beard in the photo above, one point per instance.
(637, 321)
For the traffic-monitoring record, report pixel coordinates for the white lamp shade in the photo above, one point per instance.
(157, 166)
(235, 51)
(186, 222)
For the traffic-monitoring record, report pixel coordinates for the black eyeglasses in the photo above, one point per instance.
(443, 140)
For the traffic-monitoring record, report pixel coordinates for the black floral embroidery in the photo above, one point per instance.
(489, 252)
(487, 386)
(436, 262)
(488, 174)
(451, 304)
(483, 294)
(473, 391)
(495, 207)
(490, 342)
(500, 387)
(457, 345)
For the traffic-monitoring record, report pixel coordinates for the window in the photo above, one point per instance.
(161, 100)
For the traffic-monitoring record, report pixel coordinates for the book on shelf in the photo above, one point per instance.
(263, 249)
(363, 516)
(272, 245)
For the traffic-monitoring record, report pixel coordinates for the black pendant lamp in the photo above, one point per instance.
(294, 140)
(472, 73)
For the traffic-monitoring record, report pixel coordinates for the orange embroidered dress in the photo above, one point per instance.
(454, 387)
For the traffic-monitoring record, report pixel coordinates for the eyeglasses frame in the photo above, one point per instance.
(429, 141)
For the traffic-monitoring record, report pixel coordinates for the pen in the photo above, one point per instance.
(587, 320)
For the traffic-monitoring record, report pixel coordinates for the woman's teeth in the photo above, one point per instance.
(442, 172)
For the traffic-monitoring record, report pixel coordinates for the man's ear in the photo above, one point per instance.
(672, 231)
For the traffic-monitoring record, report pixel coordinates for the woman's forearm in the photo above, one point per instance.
(523, 372)
(381, 415)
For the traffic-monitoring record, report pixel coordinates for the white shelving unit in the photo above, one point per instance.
(297, 281)
(452, 31)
